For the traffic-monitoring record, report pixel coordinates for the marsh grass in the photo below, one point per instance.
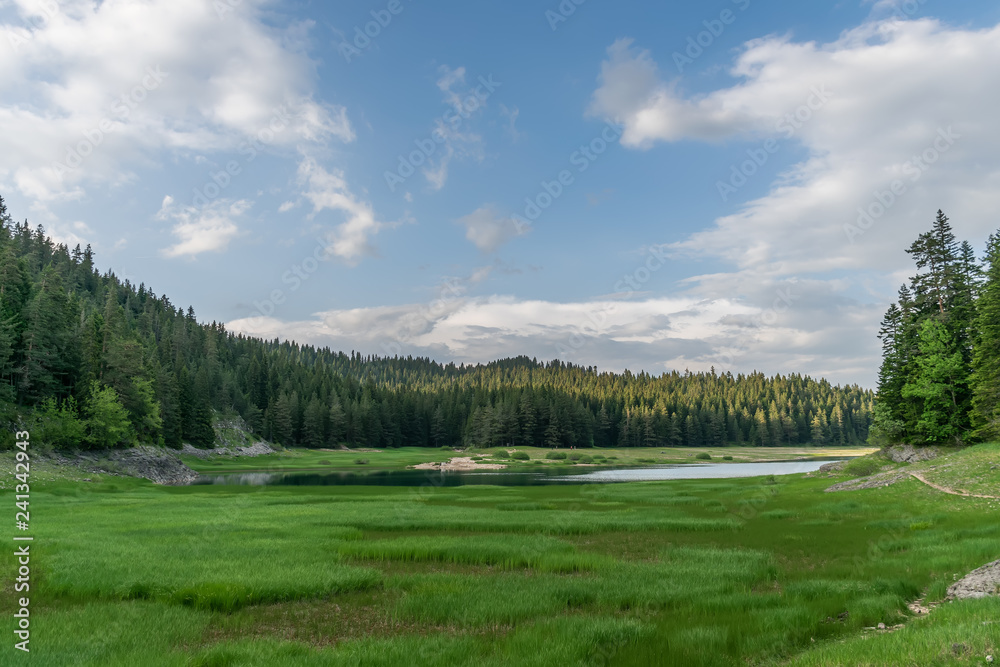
(727, 572)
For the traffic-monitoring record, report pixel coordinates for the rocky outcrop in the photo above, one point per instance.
(910, 454)
(977, 584)
(870, 482)
(157, 465)
(259, 448)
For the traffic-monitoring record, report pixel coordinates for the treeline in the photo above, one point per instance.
(89, 360)
(940, 377)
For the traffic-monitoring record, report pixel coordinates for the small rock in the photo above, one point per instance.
(881, 626)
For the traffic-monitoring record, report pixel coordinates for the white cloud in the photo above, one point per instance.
(656, 334)
(453, 131)
(489, 229)
(893, 89)
(103, 88)
(351, 239)
(199, 230)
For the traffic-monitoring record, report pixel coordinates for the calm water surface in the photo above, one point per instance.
(554, 475)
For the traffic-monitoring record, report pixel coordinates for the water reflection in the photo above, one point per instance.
(548, 475)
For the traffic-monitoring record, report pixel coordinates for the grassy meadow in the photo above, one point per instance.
(764, 571)
(339, 459)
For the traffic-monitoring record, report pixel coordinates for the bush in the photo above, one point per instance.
(520, 456)
(586, 459)
(361, 462)
(646, 460)
(704, 456)
(727, 458)
(864, 466)
(324, 462)
(501, 454)
(575, 457)
(556, 456)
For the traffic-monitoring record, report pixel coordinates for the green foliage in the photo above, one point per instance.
(107, 420)
(520, 456)
(864, 466)
(940, 361)
(65, 324)
(586, 459)
(361, 462)
(556, 456)
(986, 361)
(703, 456)
(727, 458)
(938, 379)
(501, 454)
(58, 425)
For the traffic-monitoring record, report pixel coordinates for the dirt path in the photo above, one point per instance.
(953, 492)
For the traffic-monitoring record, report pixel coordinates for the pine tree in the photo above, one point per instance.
(986, 362)
(938, 383)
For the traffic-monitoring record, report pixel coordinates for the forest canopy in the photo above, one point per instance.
(89, 360)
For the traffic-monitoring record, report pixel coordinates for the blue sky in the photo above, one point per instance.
(122, 119)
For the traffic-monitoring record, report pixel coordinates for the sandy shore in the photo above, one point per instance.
(460, 463)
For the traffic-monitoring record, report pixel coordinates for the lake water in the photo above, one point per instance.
(554, 475)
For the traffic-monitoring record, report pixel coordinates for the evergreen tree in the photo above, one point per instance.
(986, 362)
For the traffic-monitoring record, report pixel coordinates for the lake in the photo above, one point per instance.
(522, 477)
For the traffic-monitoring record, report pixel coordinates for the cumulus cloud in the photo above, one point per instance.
(206, 229)
(489, 229)
(904, 105)
(95, 89)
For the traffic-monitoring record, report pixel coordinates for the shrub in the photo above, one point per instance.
(501, 454)
(361, 462)
(646, 460)
(586, 459)
(520, 456)
(864, 466)
(727, 457)
(325, 462)
(704, 456)
(556, 456)
(575, 457)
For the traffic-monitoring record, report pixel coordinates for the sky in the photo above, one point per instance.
(654, 186)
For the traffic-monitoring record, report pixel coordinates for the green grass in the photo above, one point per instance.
(306, 459)
(701, 572)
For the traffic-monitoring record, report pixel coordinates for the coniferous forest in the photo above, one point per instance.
(940, 377)
(89, 360)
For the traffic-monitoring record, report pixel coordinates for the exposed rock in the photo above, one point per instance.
(460, 463)
(259, 448)
(977, 584)
(834, 466)
(910, 454)
(870, 482)
(157, 465)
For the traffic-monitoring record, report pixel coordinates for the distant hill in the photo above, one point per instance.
(87, 359)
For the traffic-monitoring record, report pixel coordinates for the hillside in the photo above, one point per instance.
(88, 359)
